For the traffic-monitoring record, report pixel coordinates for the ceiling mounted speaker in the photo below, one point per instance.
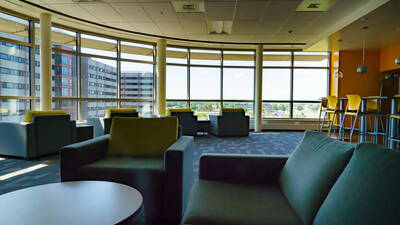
(315, 5)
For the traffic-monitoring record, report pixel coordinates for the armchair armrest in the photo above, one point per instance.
(17, 139)
(241, 169)
(74, 156)
(179, 175)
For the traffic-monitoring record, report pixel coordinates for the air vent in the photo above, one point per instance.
(188, 6)
(219, 26)
(315, 5)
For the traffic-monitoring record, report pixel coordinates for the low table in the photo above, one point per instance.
(84, 132)
(78, 202)
(203, 126)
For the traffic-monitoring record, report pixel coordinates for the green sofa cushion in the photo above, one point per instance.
(311, 171)
(220, 203)
(367, 192)
(142, 137)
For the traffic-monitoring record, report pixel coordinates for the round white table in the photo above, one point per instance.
(78, 203)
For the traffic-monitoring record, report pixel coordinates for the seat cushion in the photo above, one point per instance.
(213, 203)
(142, 137)
(311, 171)
(368, 190)
(147, 173)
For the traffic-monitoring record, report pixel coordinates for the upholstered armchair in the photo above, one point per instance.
(101, 126)
(41, 133)
(231, 122)
(144, 153)
(187, 120)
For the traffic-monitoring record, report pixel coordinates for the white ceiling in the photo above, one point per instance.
(254, 21)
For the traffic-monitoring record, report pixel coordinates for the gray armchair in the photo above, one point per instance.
(164, 181)
(44, 135)
(229, 123)
(187, 122)
(102, 126)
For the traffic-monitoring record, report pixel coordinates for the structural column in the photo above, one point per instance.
(161, 76)
(45, 61)
(258, 91)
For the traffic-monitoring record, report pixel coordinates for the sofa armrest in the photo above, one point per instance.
(74, 156)
(241, 169)
(179, 175)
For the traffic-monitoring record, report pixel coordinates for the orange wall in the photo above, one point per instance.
(387, 57)
(354, 83)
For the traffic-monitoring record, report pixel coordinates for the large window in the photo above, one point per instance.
(238, 84)
(177, 82)
(205, 83)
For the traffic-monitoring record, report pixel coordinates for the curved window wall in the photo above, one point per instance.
(89, 73)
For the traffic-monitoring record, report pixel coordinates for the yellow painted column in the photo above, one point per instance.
(258, 91)
(161, 76)
(45, 61)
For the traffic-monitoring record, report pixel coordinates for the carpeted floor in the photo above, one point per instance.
(270, 143)
(267, 143)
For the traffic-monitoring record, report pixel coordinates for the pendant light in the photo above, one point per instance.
(363, 68)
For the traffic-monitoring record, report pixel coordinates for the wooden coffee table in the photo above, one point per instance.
(78, 202)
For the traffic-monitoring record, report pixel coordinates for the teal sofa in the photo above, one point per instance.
(324, 182)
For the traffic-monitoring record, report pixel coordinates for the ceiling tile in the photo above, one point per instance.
(125, 26)
(103, 12)
(57, 1)
(195, 28)
(74, 9)
(149, 28)
(244, 27)
(191, 16)
(265, 38)
(219, 10)
(279, 10)
(169, 28)
(268, 27)
(250, 10)
(132, 12)
(160, 11)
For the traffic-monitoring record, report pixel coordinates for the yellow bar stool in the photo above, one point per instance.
(375, 113)
(328, 110)
(393, 132)
(352, 110)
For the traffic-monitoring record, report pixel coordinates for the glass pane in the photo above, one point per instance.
(239, 58)
(205, 83)
(177, 55)
(176, 105)
(136, 80)
(63, 39)
(69, 106)
(177, 82)
(204, 109)
(277, 59)
(13, 110)
(276, 84)
(205, 57)
(238, 84)
(276, 110)
(136, 51)
(14, 70)
(13, 28)
(99, 78)
(312, 59)
(65, 77)
(310, 84)
(247, 106)
(306, 110)
(96, 108)
(144, 108)
(37, 72)
(98, 45)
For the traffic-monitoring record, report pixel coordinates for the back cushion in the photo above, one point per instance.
(144, 137)
(367, 192)
(31, 113)
(311, 170)
(115, 111)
